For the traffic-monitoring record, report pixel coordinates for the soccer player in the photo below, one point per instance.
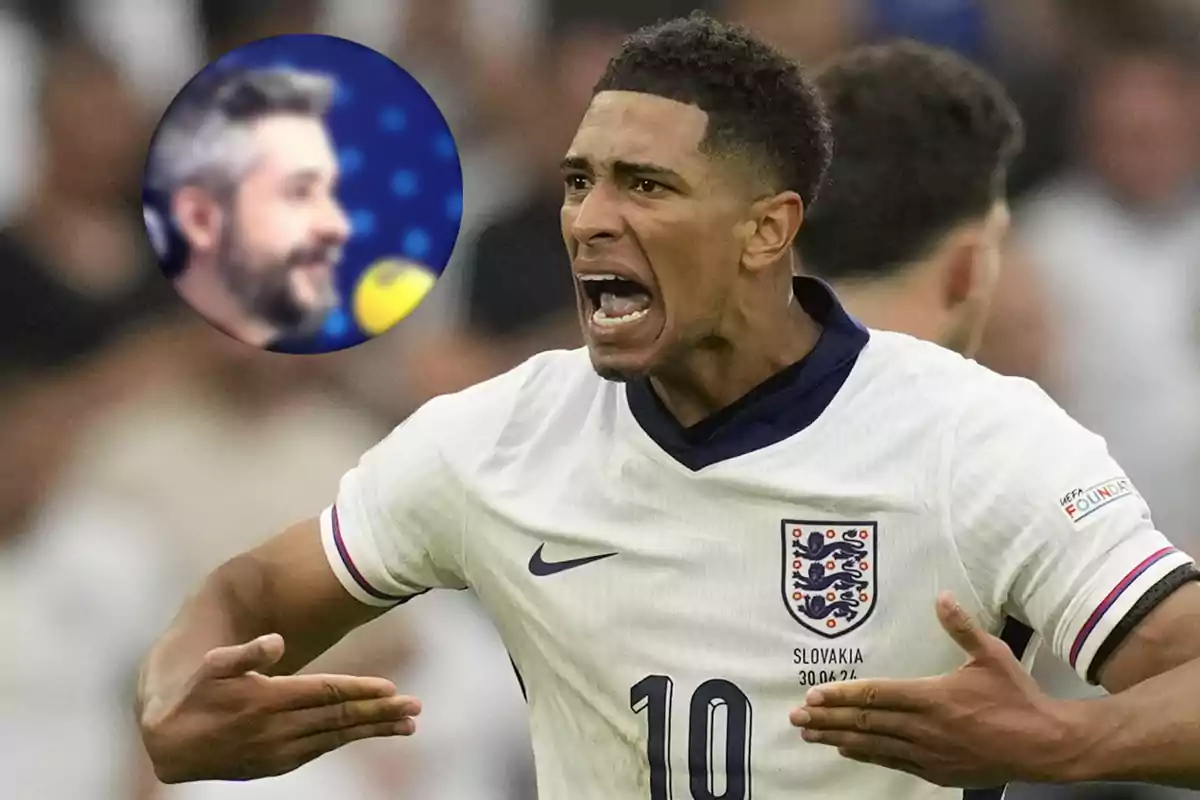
(247, 172)
(913, 212)
(924, 118)
(732, 495)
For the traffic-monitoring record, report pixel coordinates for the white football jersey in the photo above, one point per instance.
(668, 595)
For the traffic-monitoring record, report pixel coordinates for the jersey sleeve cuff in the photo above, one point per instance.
(357, 564)
(1123, 597)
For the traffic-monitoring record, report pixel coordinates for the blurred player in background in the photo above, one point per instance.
(927, 120)
(910, 226)
(250, 173)
(733, 495)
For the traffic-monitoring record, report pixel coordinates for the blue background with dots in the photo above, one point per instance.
(401, 179)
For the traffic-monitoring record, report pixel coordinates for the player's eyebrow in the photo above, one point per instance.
(632, 168)
(623, 168)
(575, 164)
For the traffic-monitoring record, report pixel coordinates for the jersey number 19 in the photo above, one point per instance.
(653, 694)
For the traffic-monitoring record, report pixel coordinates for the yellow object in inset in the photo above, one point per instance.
(388, 291)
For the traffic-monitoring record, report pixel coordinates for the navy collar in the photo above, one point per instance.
(778, 408)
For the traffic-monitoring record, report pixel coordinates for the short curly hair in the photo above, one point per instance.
(758, 101)
(923, 142)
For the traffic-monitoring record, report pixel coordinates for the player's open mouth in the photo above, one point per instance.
(613, 301)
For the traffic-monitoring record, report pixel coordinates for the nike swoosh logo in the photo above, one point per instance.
(542, 568)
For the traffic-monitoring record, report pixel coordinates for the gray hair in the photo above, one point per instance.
(207, 141)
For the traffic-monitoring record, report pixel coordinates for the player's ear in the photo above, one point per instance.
(971, 256)
(963, 261)
(198, 216)
(771, 230)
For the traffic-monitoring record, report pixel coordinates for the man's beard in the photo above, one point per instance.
(265, 290)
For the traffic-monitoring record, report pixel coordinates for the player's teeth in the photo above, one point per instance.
(598, 277)
(605, 321)
(616, 305)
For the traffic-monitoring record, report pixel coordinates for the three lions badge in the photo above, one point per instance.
(828, 574)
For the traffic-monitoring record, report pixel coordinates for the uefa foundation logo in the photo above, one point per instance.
(303, 193)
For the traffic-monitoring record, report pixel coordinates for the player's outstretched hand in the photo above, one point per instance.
(983, 725)
(231, 722)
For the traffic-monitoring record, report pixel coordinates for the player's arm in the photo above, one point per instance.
(1147, 729)
(216, 697)
(1074, 552)
(1051, 532)
(206, 706)
(284, 586)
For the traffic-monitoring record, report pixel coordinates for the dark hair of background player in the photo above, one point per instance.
(923, 143)
(759, 103)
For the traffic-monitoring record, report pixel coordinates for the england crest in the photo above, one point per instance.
(828, 574)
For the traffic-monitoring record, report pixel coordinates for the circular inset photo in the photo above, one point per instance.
(303, 193)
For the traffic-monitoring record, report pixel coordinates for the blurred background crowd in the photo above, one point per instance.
(140, 448)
